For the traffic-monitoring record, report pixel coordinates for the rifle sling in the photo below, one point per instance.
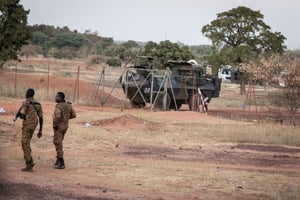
(33, 104)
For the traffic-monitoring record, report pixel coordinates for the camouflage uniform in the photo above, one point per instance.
(30, 123)
(62, 113)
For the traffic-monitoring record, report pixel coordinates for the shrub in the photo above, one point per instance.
(114, 62)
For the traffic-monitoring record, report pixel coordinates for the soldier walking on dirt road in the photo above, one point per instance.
(62, 113)
(31, 112)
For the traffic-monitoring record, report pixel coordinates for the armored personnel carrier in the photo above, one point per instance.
(179, 83)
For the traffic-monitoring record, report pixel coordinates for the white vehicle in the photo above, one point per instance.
(225, 73)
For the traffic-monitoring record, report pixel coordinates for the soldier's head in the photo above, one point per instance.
(29, 93)
(60, 97)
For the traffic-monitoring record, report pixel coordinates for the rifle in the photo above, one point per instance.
(19, 115)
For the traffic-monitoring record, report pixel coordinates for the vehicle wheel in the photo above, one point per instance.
(159, 104)
(173, 106)
(137, 104)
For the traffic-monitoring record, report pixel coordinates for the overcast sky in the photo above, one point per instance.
(159, 20)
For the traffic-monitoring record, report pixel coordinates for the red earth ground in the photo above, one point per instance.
(110, 157)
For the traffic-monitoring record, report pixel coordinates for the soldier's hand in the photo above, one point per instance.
(39, 135)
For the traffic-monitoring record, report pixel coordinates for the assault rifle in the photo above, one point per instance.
(19, 115)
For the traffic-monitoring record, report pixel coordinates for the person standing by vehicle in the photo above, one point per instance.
(31, 112)
(62, 113)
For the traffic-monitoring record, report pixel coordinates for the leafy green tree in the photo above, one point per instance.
(103, 44)
(38, 38)
(69, 39)
(114, 62)
(242, 34)
(201, 49)
(13, 29)
(50, 31)
(92, 37)
(165, 51)
(130, 44)
(123, 52)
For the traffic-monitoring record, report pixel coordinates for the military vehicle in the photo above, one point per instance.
(179, 83)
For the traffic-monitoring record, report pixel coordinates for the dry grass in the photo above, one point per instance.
(96, 155)
(163, 176)
(197, 133)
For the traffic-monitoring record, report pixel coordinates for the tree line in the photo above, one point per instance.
(63, 43)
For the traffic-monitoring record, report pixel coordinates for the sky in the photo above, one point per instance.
(159, 20)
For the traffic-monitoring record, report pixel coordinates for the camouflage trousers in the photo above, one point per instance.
(57, 141)
(26, 138)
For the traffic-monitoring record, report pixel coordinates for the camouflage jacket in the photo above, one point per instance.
(31, 114)
(62, 113)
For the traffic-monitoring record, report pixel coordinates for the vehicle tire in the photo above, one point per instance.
(173, 106)
(159, 104)
(137, 104)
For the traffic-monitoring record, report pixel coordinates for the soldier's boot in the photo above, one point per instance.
(56, 162)
(61, 164)
(29, 166)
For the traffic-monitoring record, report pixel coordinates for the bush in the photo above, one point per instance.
(95, 59)
(114, 62)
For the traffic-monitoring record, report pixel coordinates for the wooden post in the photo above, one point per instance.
(48, 84)
(76, 90)
(16, 72)
(102, 83)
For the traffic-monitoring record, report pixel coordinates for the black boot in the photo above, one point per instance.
(61, 164)
(29, 166)
(56, 162)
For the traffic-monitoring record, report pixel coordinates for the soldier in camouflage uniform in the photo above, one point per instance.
(62, 113)
(31, 113)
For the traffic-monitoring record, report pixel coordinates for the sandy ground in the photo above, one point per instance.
(140, 154)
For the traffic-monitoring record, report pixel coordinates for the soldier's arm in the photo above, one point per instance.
(56, 118)
(73, 113)
(41, 121)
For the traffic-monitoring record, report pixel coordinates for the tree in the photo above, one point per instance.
(13, 29)
(69, 39)
(49, 31)
(242, 34)
(103, 44)
(165, 51)
(124, 53)
(29, 50)
(38, 38)
(283, 72)
(130, 44)
(201, 52)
